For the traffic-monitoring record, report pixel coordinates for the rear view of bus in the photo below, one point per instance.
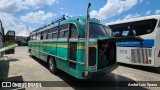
(146, 53)
(79, 46)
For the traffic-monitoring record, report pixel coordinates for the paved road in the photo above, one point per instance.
(20, 66)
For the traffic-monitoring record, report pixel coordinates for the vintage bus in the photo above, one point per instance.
(63, 44)
(79, 46)
(146, 53)
(7, 42)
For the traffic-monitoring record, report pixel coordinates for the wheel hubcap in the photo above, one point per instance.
(51, 65)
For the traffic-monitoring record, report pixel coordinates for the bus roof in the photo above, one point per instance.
(78, 21)
(135, 19)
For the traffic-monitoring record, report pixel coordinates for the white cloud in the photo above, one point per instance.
(9, 22)
(157, 12)
(112, 8)
(39, 3)
(37, 17)
(148, 12)
(130, 16)
(9, 7)
(12, 6)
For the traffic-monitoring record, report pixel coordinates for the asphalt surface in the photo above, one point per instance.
(22, 67)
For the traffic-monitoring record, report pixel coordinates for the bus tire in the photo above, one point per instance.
(52, 65)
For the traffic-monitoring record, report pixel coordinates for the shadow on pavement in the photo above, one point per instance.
(145, 68)
(4, 71)
(85, 84)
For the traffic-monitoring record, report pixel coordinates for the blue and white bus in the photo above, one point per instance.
(146, 53)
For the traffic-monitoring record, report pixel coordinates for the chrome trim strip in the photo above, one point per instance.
(53, 32)
(91, 39)
(64, 39)
(47, 40)
(73, 40)
(61, 58)
(76, 62)
(63, 30)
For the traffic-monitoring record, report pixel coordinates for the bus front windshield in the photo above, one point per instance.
(98, 31)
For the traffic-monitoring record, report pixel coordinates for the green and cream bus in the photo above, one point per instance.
(79, 46)
(63, 45)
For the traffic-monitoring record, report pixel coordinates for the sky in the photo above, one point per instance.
(17, 14)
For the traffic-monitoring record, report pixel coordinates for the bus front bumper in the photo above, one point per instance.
(101, 72)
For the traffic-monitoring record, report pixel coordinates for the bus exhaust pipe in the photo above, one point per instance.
(87, 40)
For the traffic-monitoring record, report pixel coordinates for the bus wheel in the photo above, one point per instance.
(52, 65)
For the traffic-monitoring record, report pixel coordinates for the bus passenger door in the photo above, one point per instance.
(73, 39)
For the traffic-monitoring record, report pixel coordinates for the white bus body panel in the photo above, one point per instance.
(157, 47)
(138, 55)
(134, 55)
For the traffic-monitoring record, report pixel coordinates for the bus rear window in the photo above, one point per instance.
(136, 28)
(97, 30)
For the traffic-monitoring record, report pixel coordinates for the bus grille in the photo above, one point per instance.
(141, 56)
(106, 54)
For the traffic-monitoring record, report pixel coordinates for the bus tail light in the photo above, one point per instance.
(94, 68)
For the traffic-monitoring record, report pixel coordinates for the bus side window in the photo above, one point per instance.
(38, 36)
(55, 34)
(41, 36)
(73, 31)
(34, 37)
(44, 33)
(66, 33)
(50, 33)
(63, 33)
